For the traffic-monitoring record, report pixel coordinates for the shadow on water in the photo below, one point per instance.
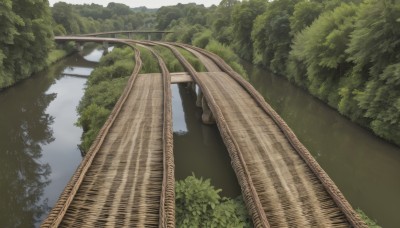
(38, 142)
(25, 129)
(363, 166)
(199, 148)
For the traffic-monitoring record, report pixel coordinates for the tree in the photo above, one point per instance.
(304, 15)
(243, 16)
(8, 28)
(321, 48)
(271, 35)
(27, 41)
(373, 90)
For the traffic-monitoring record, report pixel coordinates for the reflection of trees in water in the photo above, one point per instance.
(24, 129)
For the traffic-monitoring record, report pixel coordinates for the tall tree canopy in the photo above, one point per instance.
(26, 38)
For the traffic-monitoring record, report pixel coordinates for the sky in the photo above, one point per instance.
(137, 3)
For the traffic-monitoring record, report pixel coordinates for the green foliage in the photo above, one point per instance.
(91, 120)
(321, 48)
(381, 102)
(172, 63)
(26, 39)
(78, 19)
(202, 39)
(243, 16)
(370, 223)
(55, 56)
(228, 55)
(150, 63)
(193, 60)
(304, 15)
(198, 204)
(104, 87)
(271, 35)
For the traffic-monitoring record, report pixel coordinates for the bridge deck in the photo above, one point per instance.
(123, 185)
(289, 192)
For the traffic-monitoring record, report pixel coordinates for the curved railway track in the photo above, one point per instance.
(282, 184)
(127, 177)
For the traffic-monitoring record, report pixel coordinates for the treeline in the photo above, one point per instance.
(79, 19)
(27, 28)
(26, 37)
(345, 52)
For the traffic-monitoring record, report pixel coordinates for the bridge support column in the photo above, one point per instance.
(191, 86)
(199, 98)
(148, 36)
(105, 47)
(207, 117)
(78, 46)
(130, 36)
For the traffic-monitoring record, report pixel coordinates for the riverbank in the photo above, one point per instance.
(364, 167)
(53, 57)
(39, 152)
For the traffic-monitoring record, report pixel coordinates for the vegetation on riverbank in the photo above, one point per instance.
(103, 89)
(343, 52)
(26, 39)
(198, 204)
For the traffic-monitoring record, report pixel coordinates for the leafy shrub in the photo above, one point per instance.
(172, 63)
(193, 60)
(370, 223)
(228, 55)
(91, 119)
(150, 63)
(202, 39)
(104, 87)
(198, 204)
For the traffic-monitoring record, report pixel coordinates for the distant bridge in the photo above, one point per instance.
(127, 177)
(129, 33)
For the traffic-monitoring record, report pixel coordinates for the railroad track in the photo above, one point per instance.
(127, 177)
(282, 184)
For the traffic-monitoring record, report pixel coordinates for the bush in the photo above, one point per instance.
(195, 62)
(198, 204)
(104, 87)
(370, 223)
(202, 39)
(150, 63)
(228, 55)
(91, 119)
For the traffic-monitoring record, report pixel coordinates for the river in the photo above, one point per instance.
(39, 153)
(364, 167)
(38, 146)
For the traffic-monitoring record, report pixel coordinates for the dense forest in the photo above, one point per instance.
(27, 28)
(25, 40)
(345, 52)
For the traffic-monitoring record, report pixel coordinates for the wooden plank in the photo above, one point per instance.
(180, 77)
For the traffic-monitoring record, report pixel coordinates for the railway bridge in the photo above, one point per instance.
(127, 177)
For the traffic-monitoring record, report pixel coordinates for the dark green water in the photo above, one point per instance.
(364, 167)
(198, 148)
(38, 141)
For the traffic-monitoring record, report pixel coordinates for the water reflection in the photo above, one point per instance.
(365, 168)
(25, 129)
(38, 142)
(199, 148)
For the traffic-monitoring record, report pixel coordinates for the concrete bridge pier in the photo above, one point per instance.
(191, 86)
(105, 47)
(149, 36)
(78, 46)
(207, 117)
(199, 101)
(130, 36)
